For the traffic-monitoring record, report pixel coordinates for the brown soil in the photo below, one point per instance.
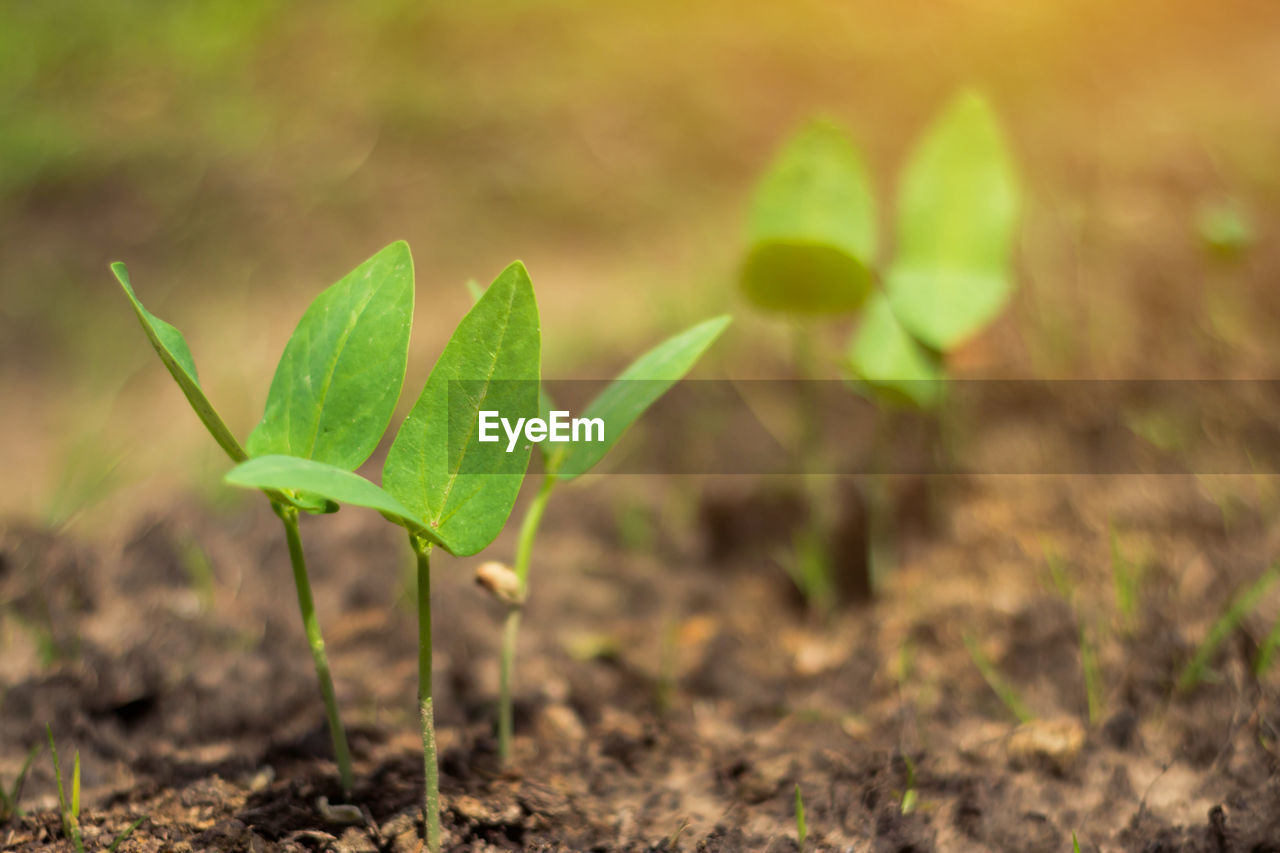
(671, 692)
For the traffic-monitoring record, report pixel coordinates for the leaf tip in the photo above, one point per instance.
(517, 268)
(121, 272)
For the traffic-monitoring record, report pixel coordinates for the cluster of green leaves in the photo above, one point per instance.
(337, 383)
(332, 396)
(494, 357)
(813, 245)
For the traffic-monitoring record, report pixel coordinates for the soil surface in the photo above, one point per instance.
(672, 691)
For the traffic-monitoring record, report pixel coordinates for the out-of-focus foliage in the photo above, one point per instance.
(812, 228)
(87, 87)
(1225, 228)
(897, 368)
(958, 204)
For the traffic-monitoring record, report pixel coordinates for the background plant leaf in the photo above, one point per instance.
(892, 365)
(491, 362)
(812, 228)
(172, 348)
(336, 484)
(636, 389)
(957, 213)
(338, 381)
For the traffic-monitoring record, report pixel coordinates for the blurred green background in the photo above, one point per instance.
(240, 156)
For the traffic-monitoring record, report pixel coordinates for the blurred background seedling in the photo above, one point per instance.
(1126, 580)
(11, 799)
(910, 796)
(813, 252)
(1197, 670)
(802, 827)
(1091, 671)
(1225, 228)
(1001, 686)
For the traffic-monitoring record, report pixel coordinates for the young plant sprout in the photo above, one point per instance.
(618, 406)
(999, 685)
(802, 828)
(69, 812)
(1242, 604)
(812, 252)
(333, 394)
(9, 800)
(440, 482)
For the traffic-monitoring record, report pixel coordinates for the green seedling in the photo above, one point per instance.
(9, 800)
(1225, 228)
(1126, 580)
(1075, 843)
(332, 396)
(910, 797)
(619, 405)
(813, 251)
(1267, 651)
(999, 685)
(69, 812)
(1095, 690)
(1241, 605)
(492, 361)
(802, 828)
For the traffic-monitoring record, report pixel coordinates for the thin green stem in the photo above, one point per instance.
(511, 630)
(311, 624)
(813, 554)
(430, 767)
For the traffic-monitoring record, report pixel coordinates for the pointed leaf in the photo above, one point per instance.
(339, 378)
(491, 363)
(176, 355)
(636, 389)
(957, 214)
(812, 231)
(75, 787)
(334, 483)
(892, 364)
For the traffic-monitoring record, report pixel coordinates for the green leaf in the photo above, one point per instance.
(176, 355)
(958, 208)
(339, 378)
(491, 363)
(802, 828)
(894, 366)
(812, 228)
(75, 787)
(636, 389)
(334, 483)
(124, 834)
(475, 289)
